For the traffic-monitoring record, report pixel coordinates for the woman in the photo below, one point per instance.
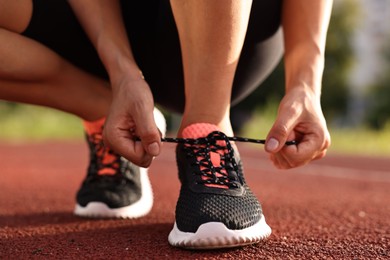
(196, 59)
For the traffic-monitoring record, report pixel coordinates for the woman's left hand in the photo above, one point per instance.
(300, 118)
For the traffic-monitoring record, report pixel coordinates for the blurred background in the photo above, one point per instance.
(355, 96)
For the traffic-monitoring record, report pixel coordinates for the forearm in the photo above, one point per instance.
(102, 21)
(305, 25)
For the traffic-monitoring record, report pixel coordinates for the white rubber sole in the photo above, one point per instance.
(135, 210)
(215, 235)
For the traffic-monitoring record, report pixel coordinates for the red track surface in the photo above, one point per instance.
(338, 208)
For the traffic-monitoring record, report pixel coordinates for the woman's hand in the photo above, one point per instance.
(131, 113)
(131, 118)
(299, 118)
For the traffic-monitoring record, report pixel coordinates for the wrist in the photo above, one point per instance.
(305, 75)
(123, 63)
(123, 67)
(306, 88)
(119, 61)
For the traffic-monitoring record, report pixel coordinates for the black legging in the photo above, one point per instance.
(155, 44)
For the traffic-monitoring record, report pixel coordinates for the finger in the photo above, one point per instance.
(148, 132)
(122, 142)
(308, 149)
(276, 161)
(280, 131)
(281, 161)
(320, 155)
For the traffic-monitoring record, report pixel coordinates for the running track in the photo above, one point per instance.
(336, 208)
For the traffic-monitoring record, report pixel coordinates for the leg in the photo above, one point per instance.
(32, 73)
(114, 187)
(157, 49)
(211, 48)
(216, 208)
(262, 50)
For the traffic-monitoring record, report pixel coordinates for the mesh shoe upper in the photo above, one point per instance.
(111, 179)
(213, 187)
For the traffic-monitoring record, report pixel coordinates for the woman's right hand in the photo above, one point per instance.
(130, 129)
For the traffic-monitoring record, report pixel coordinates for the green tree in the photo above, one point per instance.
(339, 58)
(378, 114)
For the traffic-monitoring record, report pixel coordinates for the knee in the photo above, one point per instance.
(15, 15)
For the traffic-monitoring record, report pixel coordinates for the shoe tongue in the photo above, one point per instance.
(92, 127)
(108, 160)
(199, 130)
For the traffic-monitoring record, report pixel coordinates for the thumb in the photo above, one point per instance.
(279, 133)
(149, 134)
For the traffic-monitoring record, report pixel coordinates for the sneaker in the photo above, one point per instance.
(113, 187)
(216, 208)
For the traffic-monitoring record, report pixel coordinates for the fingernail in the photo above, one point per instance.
(272, 144)
(153, 149)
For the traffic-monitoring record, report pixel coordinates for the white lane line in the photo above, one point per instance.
(320, 170)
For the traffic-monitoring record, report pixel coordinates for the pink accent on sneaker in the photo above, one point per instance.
(95, 129)
(200, 130)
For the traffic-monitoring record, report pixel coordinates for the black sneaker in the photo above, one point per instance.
(114, 187)
(216, 208)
